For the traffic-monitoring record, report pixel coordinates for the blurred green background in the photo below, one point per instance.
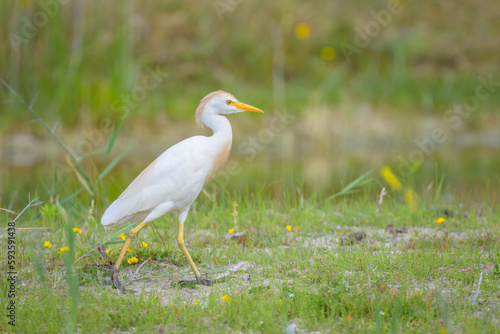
(346, 86)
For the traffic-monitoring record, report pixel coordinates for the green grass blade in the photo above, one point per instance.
(354, 186)
(110, 241)
(113, 137)
(113, 163)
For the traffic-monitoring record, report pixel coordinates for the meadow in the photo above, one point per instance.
(364, 200)
(293, 265)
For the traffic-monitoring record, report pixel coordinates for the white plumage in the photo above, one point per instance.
(169, 184)
(172, 182)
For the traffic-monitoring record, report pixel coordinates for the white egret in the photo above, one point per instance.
(172, 182)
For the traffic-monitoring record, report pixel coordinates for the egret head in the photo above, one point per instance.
(220, 102)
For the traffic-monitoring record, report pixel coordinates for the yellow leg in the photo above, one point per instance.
(130, 236)
(183, 248)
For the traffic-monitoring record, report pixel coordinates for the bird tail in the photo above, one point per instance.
(110, 218)
(117, 214)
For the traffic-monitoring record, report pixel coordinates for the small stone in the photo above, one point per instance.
(106, 281)
(353, 238)
(401, 229)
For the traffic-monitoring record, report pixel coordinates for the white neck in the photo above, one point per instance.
(220, 126)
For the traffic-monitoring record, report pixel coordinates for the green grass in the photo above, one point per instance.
(424, 283)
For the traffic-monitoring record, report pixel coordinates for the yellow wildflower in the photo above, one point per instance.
(128, 249)
(302, 31)
(231, 230)
(197, 301)
(47, 244)
(133, 260)
(328, 53)
(289, 228)
(121, 236)
(410, 199)
(77, 230)
(109, 251)
(389, 176)
(226, 299)
(64, 249)
(440, 220)
(144, 245)
(296, 228)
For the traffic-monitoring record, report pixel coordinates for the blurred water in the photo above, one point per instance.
(320, 152)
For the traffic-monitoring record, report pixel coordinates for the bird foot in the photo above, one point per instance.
(114, 279)
(202, 281)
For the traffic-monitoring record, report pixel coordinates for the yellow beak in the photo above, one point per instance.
(246, 107)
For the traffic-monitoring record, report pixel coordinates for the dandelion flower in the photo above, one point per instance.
(302, 31)
(388, 175)
(289, 228)
(133, 260)
(64, 249)
(77, 230)
(440, 220)
(121, 236)
(47, 244)
(231, 230)
(226, 299)
(144, 245)
(328, 53)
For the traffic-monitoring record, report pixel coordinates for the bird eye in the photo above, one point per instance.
(228, 102)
